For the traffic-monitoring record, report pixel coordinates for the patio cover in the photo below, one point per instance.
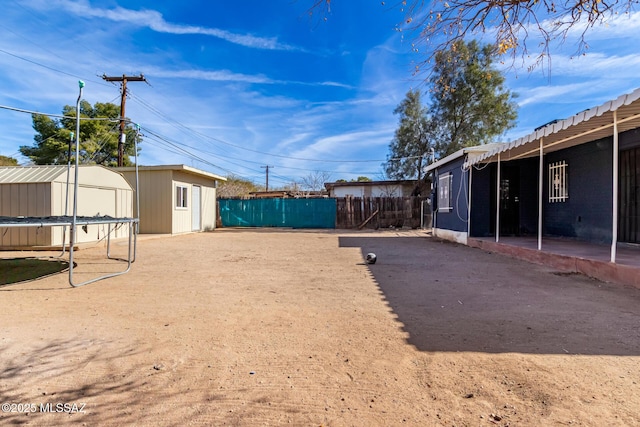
(586, 126)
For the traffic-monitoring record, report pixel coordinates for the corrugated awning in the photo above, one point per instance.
(589, 125)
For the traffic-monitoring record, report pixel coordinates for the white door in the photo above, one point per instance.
(195, 209)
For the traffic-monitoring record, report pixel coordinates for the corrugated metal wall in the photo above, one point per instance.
(102, 192)
(33, 199)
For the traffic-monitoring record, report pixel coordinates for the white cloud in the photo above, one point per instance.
(156, 22)
(611, 27)
(215, 75)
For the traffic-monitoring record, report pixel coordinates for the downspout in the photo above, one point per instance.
(469, 206)
(540, 183)
(614, 231)
(434, 205)
(498, 202)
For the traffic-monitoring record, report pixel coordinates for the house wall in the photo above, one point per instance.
(182, 219)
(348, 191)
(392, 191)
(156, 200)
(158, 211)
(528, 210)
(483, 201)
(456, 218)
(209, 211)
(587, 214)
(371, 191)
(629, 139)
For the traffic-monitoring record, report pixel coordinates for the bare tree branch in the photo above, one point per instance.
(510, 23)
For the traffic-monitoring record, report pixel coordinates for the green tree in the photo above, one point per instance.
(99, 135)
(411, 143)
(469, 102)
(8, 161)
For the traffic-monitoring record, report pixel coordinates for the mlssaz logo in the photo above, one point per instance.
(68, 408)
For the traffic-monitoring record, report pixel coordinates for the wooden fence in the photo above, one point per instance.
(382, 212)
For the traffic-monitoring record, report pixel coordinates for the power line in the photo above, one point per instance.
(58, 116)
(216, 139)
(45, 66)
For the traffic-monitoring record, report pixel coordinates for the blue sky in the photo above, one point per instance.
(240, 85)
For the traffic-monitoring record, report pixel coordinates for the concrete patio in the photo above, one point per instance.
(567, 255)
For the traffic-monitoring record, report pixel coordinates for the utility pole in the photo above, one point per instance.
(267, 168)
(123, 99)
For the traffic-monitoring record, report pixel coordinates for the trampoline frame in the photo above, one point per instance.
(66, 221)
(74, 220)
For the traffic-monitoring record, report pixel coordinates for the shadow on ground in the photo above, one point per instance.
(450, 297)
(94, 380)
(18, 270)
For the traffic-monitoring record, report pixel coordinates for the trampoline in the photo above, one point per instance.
(74, 220)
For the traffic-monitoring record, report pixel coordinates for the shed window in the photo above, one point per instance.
(445, 182)
(558, 182)
(181, 196)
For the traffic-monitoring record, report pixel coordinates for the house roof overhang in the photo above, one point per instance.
(179, 168)
(586, 126)
(471, 152)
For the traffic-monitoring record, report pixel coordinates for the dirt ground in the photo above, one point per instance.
(286, 327)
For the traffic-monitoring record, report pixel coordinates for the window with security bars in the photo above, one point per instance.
(558, 182)
(445, 182)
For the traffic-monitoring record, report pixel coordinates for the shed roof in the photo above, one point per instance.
(58, 173)
(586, 126)
(181, 168)
(30, 174)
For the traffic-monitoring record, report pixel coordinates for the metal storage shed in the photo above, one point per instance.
(174, 199)
(39, 191)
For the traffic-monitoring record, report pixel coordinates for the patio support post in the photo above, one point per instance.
(540, 182)
(498, 202)
(614, 230)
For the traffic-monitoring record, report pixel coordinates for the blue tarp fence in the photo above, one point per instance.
(295, 213)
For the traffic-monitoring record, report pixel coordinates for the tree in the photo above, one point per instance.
(8, 161)
(469, 103)
(314, 182)
(411, 143)
(99, 135)
(510, 23)
(235, 186)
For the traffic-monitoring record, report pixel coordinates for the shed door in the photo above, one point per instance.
(629, 223)
(195, 209)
